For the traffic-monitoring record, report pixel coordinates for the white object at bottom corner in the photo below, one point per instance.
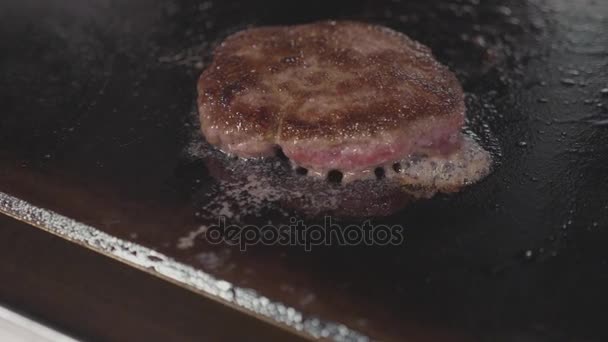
(17, 328)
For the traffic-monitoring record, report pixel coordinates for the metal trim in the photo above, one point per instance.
(244, 299)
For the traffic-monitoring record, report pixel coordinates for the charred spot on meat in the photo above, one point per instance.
(351, 98)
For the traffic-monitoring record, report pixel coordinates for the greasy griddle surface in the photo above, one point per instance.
(96, 102)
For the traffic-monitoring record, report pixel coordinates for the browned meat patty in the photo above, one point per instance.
(333, 95)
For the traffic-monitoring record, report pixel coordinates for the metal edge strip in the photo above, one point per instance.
(158, 264)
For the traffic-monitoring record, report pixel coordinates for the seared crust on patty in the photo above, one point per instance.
(332, 82)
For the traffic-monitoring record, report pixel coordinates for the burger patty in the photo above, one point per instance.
(344, 96)
(341, 95)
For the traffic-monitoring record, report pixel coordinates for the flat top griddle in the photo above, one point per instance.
(97, 99)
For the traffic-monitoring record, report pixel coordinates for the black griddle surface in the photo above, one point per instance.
(96, 99)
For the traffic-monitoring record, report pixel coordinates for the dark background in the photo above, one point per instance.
(96, 98)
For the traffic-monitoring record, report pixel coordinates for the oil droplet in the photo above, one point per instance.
(568, 81)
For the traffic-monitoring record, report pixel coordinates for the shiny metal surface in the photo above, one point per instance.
(154, 262)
